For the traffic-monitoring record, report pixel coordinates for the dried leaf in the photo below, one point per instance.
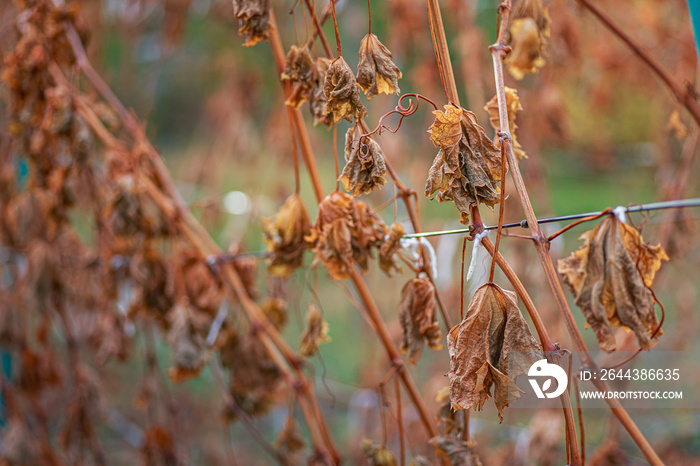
(460, 453)
(376, 72)
(513, 107)
(610, 276)
(344, 234)
(289, 442)
(254, 20)
(275, 309)
(317, 98)
(490, 348)
(255, 377)
(528, 34)
(342, 92)
(284, 236)
(377, 454)
(418, 316)
(468, 165)
(204, 291)
(388, 250)
(675, 124)
(315, 333)
(188, 348)
(299, 70)
(365, 167)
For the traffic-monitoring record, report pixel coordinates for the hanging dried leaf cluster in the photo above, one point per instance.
(254, 20)
(376, 72)
(610, 276)
(489, 349)
(528, 35)
(467, 168)
(284, 235)
(365, 168)
(513, 107)
(344, 234)
(418, 317)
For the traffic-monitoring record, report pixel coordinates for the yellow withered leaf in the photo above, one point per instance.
(376, 72)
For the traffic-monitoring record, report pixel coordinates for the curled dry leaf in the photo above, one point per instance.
(299, 70)
(188, 349)
(458, 451)
(418, 316)
(342, 92)
(204, 291)
(377, 454)
(468, 165)
(490, 348)
(528, 34)
(513, 107)
(255, 377)
(610, 276)
(289, 442)
(317, 98)
(675, 124)
(284, 236)
(275, 309)
(376, 72)
(388, 250)
(344, 234)
(254, 20)
(365, 167)
(315, 333)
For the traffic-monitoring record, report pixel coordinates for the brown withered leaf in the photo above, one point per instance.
(299, 70)
(376, 72)
(342, 92)
(528, 34)
(459, 452)
(377, 454)
(315, 333)
(513, 107)
(418, 316)
(275, 309)
(289, 442)
(345, 233)
(255, 377)
(365, 167)
(490, 348)
(284, 236)
(675, 124)
(188, 348)
(254, 20)
(388, 250)
(610, 276)
(317, 99)
(468, 165)
(368, 233)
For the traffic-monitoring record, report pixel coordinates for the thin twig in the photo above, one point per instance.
(686, 97)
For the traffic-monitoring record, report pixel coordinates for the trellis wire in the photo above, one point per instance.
(682, 203)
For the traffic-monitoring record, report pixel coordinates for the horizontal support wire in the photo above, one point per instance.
(679, 204)
(682, 203)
